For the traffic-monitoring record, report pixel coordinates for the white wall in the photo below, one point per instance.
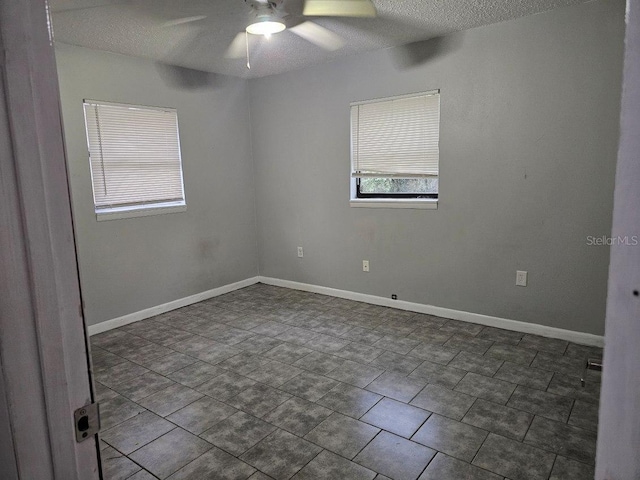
(529, 131)
(132, 264)
(529, 134)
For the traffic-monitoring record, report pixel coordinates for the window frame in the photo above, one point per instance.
(142, 208)
(392, 200)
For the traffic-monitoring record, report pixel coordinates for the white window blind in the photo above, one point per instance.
(396, 137)
(135, 156)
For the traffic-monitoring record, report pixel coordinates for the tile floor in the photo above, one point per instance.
(271, 383)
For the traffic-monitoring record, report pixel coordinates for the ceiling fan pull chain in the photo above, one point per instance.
(246, 34)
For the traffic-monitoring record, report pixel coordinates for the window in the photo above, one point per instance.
(394, 149)
(134, 153)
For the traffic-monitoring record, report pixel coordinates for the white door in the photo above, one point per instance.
(618, 455)
(44, 366)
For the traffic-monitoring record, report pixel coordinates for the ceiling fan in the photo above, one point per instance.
(263, 19)
(269, 17)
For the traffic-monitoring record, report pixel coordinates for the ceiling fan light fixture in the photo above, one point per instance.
(267, 26)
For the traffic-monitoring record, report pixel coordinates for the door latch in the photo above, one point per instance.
(87, 421)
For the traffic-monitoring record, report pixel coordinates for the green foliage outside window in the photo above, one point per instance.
(399, 185)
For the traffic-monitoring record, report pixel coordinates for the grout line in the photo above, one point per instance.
(467, 411)
(429, 462)
(312, 459)
(555, 458)
(481, 444)
(528, 427)
(479, 467)
(367, 444)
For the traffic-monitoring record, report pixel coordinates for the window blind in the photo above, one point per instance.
(396, 137)
(134, 155)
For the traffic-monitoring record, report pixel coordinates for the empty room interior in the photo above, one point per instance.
(343, 240)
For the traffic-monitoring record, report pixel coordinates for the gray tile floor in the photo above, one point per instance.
(271, 383)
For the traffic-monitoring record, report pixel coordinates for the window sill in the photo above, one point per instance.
(425, 204)
(119, 213)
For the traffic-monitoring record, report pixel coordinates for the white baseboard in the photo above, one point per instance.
(507, 324)
(167, 307)
(533, 328)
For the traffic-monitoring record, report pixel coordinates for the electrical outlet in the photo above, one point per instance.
(521, 278)
(300, 252)
(365, 265)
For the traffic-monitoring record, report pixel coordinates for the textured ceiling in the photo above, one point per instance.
(135, 27)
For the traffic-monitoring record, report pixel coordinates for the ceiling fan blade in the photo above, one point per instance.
(72, 5)
(292, 7)
(320, 36)
(339, 8)
(238, 47)
(182, 21)
(424, 51)
(188, 78)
